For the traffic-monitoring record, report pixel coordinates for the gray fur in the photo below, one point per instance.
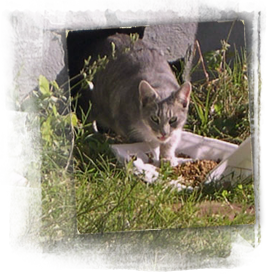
(138, 97)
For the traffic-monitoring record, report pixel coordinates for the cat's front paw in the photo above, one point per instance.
(175, 161)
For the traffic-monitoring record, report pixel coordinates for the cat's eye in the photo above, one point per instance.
(155, 119)
(173, 120)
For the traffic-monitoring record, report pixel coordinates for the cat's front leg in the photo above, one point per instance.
(167, 153)
(167, 150)
(155, 150)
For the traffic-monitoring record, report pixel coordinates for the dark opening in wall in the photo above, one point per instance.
(84, 43)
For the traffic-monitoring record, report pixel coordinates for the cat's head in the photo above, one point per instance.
(163, 116)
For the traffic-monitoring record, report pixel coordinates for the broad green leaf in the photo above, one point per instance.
(44, 86)
(218, 108)
(71, 119)
(74, 119)
(54, 110)
(47, 131)
(55, 85)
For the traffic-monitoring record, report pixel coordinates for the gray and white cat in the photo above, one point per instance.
(138, 97)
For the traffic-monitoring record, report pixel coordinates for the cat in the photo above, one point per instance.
(138, 97)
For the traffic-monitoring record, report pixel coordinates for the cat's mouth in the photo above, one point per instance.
(163, 138)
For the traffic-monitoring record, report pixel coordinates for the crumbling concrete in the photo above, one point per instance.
(35, 36)
(127, 12)
(37, 51)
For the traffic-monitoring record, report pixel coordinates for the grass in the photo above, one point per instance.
(220, 106)
(112, 200)
(82, 181)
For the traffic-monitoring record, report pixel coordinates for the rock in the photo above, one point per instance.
(126, 12)
(33, 37)
(173, 39)
(40, 52)
(71, 15)
(41, 43)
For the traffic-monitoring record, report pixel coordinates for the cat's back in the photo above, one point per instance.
(134, 61)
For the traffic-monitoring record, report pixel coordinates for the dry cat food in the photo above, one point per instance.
(182, 155)
(194, 173)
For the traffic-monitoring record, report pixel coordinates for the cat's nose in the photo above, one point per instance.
(163, 136)
(163, 133)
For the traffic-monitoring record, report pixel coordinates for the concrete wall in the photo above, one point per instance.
(35, 36)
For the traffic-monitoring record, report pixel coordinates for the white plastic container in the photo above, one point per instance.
(236, 161)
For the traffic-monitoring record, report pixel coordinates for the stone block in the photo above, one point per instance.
(40, 52)
(40, 40)
(68, 15)
(33, 37)
(173, 39)
(125, 12)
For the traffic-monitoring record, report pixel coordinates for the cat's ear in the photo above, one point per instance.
(183, 94)
(147, 94)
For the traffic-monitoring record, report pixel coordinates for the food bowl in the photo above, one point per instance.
(235, 161)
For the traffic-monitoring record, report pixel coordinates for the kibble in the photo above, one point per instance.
(194, 173)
